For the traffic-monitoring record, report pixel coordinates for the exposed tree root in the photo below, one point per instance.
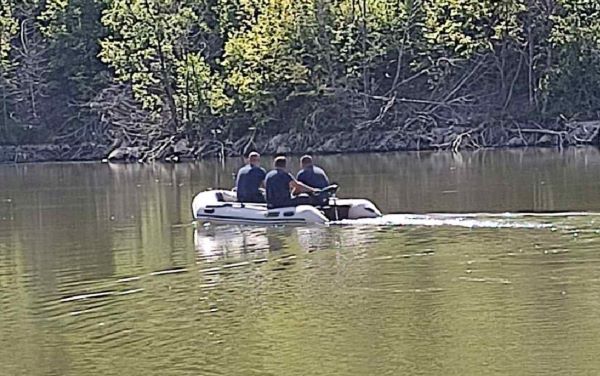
(453, 138)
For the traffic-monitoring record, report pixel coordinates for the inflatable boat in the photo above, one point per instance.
(221, 206)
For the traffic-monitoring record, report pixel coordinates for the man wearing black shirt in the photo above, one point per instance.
(249, 180)
(280, 184)
(312, 175)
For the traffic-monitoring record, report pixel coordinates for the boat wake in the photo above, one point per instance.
(478, 220)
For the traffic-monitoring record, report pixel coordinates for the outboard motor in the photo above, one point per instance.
(321, 197)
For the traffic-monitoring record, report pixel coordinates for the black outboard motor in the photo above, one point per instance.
(321, 197)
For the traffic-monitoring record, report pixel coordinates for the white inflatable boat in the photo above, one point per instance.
(221, 206)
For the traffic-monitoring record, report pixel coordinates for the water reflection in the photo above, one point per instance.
(219, 242)
(102, 271)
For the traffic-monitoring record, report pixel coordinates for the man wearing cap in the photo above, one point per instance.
(280, 184)
(311, 175)
(249, 180)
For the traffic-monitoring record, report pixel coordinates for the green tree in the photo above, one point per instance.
(8, 29)
(572, 83)
(25, 91)
(72, 31)
(260, 64)
(157, 47)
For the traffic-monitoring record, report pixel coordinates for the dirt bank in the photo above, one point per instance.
(52, 152)
(454, 138)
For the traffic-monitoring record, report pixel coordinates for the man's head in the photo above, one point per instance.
(254, 158)
(306, 161)
(280, 162)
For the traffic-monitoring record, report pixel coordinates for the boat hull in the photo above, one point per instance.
(220, 206)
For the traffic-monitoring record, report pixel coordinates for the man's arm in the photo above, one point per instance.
(297, 187)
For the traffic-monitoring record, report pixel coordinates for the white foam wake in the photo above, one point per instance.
(470, 220)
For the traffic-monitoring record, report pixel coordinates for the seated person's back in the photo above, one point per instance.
(279, 183)
(312, 175)
(249, 179)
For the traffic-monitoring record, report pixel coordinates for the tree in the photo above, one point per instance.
(156, 47)
(8, 29)
(572, 83)
(72, 31)
(25, 88)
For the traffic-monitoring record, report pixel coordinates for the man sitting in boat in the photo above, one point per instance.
(249, 180)
(311, 175)
(280, 184)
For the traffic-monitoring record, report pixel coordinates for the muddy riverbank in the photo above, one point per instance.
(174, 149)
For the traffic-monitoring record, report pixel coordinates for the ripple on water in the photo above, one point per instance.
(418, 298)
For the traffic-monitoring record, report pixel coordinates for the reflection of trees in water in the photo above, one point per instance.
(58, 223)
(74, 218)
(32, 261)
(381, 287)
(78, 217)
(75, 228)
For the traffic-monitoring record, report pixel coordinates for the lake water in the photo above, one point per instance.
(102, 271)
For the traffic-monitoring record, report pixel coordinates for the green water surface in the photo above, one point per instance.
(102, 271)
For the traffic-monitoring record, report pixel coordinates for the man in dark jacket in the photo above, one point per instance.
(280, 184)
(249, 180)
(312, 175)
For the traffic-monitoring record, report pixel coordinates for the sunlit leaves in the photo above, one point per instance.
(8, 28)
(261, 62)
(574, 76)
(154, 45)
(464, 27)
(199, 87)
(577, 21)
(219, 61)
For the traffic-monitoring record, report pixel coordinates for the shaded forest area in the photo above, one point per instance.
(168, 79)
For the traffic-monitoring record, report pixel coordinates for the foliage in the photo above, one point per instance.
(8, 29)
(573, 82)
(196, 65)
(157, 46)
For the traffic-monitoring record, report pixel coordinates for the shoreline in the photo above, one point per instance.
(454, 138)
